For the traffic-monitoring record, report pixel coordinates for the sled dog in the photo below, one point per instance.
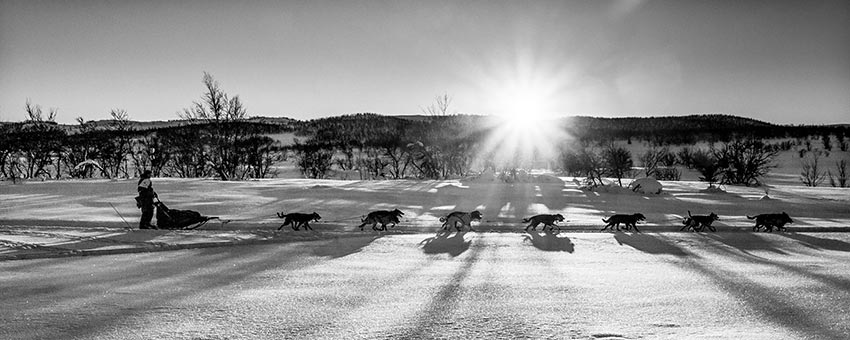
(768, 221)
(464, 218)
(699, 222)
(383, 217)
(298, 219)
(547, 220)
(628, 220)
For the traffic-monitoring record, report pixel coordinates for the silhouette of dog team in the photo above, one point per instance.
(187, 219)
(461, 219)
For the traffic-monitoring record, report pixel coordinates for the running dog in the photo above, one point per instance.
(547, 220)
(628, 220)
(298, 219)
(699, 222)
(768, 221)
(464, 218)
(383, 217)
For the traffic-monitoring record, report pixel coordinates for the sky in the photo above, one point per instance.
(779, 61)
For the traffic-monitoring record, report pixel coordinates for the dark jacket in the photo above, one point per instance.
(146, 193)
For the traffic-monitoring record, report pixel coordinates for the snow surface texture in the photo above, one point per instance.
(446, 286)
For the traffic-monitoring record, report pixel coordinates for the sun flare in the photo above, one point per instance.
(523, 107)
(525, 100)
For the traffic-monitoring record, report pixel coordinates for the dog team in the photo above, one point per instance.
(459, 219)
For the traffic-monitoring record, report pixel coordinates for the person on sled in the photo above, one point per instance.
(145, 200)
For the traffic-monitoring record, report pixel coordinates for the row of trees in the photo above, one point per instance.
(740, 161)
(213, 140)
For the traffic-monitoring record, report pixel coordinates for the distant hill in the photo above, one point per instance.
(670, 129)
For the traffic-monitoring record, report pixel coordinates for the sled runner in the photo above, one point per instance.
(179, 219)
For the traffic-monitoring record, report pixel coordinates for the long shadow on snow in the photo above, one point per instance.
(445, 300)
(341, 247)
(835, 282)
(68, 244)
(763, 299)
(550, 242)
(443, 244)
(746, 242)
(650, 244)
(188, 273)
(817, 242)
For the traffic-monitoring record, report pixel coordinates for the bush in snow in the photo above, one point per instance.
(810, 173)
(744, 161)
(618, 162)
(840, 179)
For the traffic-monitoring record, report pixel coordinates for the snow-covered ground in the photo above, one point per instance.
(725, 285)
(412, 283)
(253, 204)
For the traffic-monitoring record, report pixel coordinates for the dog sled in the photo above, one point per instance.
(167, 218)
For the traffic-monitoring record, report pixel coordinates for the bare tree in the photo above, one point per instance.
(223, 129)
(116, 145)
(745, 161)
(42, 142)
(398, 157)
(840, 178)
(651, 159)
(35, 114)
(440, 107)
(150, 153)
(260, 153)
(81, 150)
(618, 162)
(584, 162)
(313, 159)
(811, 175)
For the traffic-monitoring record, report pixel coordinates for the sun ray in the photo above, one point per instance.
(526, 122)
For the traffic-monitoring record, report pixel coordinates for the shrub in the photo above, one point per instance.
(811, 175)
(313, 159)
(706, 164)
(618, 162)
(840, 179)
(744, 161)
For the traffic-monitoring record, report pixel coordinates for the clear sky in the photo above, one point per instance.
(773, 60)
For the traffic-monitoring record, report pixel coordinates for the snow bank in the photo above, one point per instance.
(713, 190)
(612, 188)
(646, 185)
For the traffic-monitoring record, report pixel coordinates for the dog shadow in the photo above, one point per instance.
(817, 242)
(446, 243)
(341, 247)
(549, 241)
(649, 244)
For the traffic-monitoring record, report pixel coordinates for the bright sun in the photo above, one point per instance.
(525, 101)
(522, 106)
(524, 129)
